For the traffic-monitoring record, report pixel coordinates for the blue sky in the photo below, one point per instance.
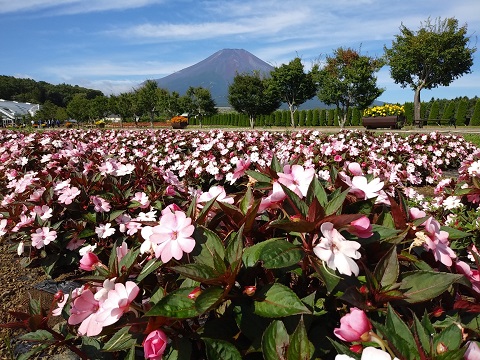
(114, 45)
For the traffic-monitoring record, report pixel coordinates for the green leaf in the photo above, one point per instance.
(300, 347)
(86, 233)
(39, 335)
(115, 214)
(220, 349)
(422, 335)
(197, 272)
(399, 335)
(246, 201)
(295, 201)
(423, 285)
(280, 254)
(150, 267)
(234, 250)
(207, 298)
(278, 301)
(328, 276)
(259, 176)
(455, 234)
(121, 340)
(316, 189)
(451, 337)
(336, 202)
(176, 305)
(387, 269)
(288, 225)
(251, 255)
(208, 244)
(275, 341)
(129, 259)
(29, 355)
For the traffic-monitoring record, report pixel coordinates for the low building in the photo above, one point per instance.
(13, 111)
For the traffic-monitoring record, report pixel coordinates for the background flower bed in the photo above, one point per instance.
(92, 179)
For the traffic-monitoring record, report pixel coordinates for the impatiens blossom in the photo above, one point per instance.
(142, 199)
(274, 199)
(296, 178)
(241, 166)
(104, 230)
(369, 353)
(354, 326)
(154, 345)
(117, 303)
(42, 237)
(437, 242)
(473, 351)
(100, 205)
(215, 192)
(173, 236)
(89, 261)
(336, 251)
(473, 275)
(68, 194)
(364, 189)
(60, 305)
(3, 225)
(44, 212)
(83, 310)
(361, 227)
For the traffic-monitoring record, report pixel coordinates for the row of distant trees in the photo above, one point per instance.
(464, 110)
(433, 56)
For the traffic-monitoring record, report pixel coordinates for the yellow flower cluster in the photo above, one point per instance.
(179, 119)
(384, 110)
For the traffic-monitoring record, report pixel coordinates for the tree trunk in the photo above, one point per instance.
(252, 121)
(416, 106)
(292, 111)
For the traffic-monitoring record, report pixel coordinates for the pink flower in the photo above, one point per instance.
(354, 326)
(172, 237)
(89, 261)
(242, 166)
(217, 192)
(437, 242)
(100, 205)
(154, 345)
(122, 250)
(104, 230)
(364, 189)
(473, 275)
(44, 212)
(117, 303)
(60, 305)
(274, 199)
(68, 194)
(296, 178)
(43, 237)
(473, 351)
(3, 225)
(355, 169)
(83, 310)
(171, 208)
(336, 251)
(361, 227)
(416, 213)
(141, 198)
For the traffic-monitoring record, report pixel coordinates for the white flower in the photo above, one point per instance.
(104, 231)
(336, 251)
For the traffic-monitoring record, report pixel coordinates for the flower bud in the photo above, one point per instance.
(357, 348)
(441, 348)
(249, 290)
(195, 293)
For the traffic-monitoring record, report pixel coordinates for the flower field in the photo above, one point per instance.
(247, 245)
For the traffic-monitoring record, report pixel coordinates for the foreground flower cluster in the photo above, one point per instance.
(251, 245)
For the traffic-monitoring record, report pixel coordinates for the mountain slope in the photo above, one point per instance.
(215, 73)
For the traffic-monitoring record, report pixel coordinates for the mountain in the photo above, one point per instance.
(215, 73)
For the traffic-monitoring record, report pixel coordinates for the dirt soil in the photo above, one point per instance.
(17, 286)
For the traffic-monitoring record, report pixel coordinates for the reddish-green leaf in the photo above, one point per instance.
(176, 305)
(280, 254)
(277, 301)
(220, 349)
(300, 347)
(275, 341)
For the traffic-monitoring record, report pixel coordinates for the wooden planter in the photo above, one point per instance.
(179, 125)
(392, 122)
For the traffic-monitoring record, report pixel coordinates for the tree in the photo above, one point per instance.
(251, 95)
(122, 105)
(293, 85)
(79, 107)
(347, 79)
(434, 111)
(433, 56)
(99, 107)
(199, 103)
(475, 120)
(169, 104)
(461, 113)
(147, 99)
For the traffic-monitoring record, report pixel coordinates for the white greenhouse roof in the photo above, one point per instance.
(15, 109)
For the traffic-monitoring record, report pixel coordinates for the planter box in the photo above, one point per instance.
(179, 125)
(392, 122)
